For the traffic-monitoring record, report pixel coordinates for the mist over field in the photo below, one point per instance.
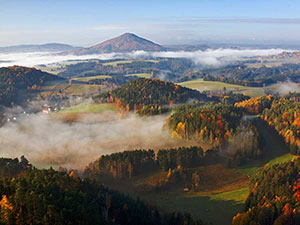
(46, 140)
(209, 57)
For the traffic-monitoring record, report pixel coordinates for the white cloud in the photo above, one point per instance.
(110, 28)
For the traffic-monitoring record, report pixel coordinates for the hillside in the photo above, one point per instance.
(248, 76)
(144, 91)
(49, 47)
(127, 42)
(16, 78)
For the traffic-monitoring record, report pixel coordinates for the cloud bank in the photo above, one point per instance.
(209, 57)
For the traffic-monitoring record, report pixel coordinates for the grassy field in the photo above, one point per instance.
(74, 89)
(88, 107)
(126, 62)
(202, 85)
(218, 209)
(145, 75)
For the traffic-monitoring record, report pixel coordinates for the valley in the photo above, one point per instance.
(151, 131)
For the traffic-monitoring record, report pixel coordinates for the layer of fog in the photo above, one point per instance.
(283, 88)
(46, 141)
(209, 57)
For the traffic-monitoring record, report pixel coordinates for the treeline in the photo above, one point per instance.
(151, 110)
(133, 163)
(182, 157)
(213, 123)
(232, 98)
(293, 96)
(10, 168)
(284, 117)
(257, 104)
(274, 197)
(50, 197)
(116, 81)
(135, 94)
(16, 78)
(123, 164)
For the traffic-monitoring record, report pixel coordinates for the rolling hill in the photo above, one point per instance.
(127, 42)
(49, 47)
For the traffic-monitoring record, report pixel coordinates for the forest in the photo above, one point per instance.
(174, 67)
(274, 197)
(134, 163)
(213, 123)
(256, 105)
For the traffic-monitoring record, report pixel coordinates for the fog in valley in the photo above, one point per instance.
(48, 141)
(209, 57)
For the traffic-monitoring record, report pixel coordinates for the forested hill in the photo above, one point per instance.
(15, 78)
(144, 91)
(51, 197)
(274, 198)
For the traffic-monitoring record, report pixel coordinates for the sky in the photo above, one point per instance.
(88, 22)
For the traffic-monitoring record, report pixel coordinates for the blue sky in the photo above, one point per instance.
(166, 21)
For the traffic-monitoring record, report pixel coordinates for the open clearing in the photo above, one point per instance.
(88, 107)
(144, 75)
(202, 85)
(85, 79)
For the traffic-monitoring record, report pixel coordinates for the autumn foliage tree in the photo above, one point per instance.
(274, 197)
(213, 123)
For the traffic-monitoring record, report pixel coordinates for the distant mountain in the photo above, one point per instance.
(127, 42)
(50, 47)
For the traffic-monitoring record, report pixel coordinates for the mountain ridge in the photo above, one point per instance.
(48, 47)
